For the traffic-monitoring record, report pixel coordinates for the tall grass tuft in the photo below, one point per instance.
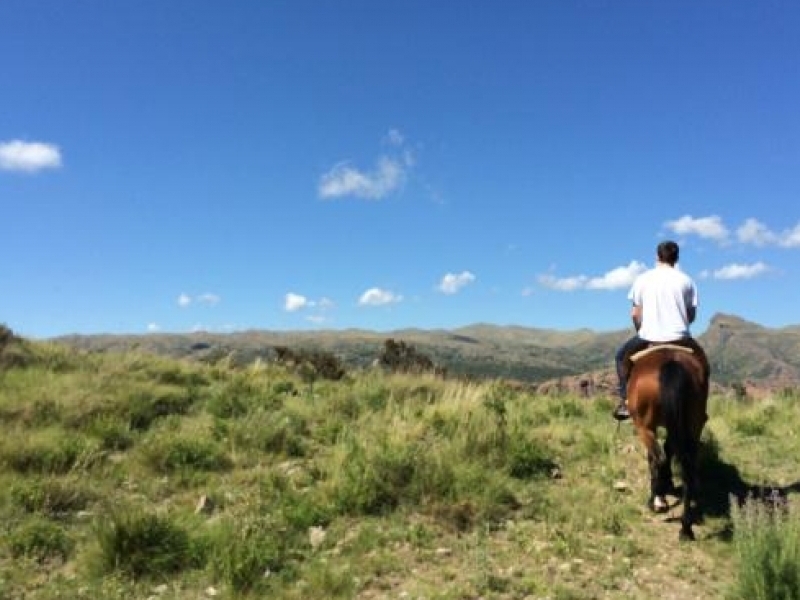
(40, 539)
(184, 453)
(767, 544)
(139, 544)
(249, 552)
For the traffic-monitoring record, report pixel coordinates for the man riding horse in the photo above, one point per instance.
(664, 305)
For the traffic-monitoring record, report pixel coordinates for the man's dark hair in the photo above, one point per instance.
(667, 252)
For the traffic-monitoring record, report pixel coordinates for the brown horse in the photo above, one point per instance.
(668, 387)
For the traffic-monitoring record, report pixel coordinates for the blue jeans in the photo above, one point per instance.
(628, 348)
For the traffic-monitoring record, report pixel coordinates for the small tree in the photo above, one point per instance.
(399, 357)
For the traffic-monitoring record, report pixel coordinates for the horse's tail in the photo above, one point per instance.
(676, 386)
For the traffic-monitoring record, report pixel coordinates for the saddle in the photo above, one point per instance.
(655, 346)
(689, 345)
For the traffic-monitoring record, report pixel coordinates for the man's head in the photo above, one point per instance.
(667, 252)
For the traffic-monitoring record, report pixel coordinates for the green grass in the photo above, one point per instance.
(370, 486)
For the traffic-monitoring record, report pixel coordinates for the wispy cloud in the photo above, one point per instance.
(619, 277)
(705, 227)
(394, 138)
(153, 327)
(453, 282)
(388, 175)
(378, 297)
(207, 298)
(28, 157)
(753, 231)
(737, 271)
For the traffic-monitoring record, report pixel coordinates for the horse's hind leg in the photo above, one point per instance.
(689, 468)
(656, 460)
(667, 482)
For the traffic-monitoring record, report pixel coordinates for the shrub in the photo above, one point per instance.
(169, 453)
(41, 540)
(51, 497)
(139, 544)
(400, 357)
(527, 458)
(145, 406)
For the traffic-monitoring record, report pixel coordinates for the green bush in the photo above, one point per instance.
(527, 458)
(171, 453)
(50, 496)
(41, 540)
(145, 406)
(767, 544)
(138, 544)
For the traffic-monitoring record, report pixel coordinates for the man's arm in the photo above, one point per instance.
(636, 316)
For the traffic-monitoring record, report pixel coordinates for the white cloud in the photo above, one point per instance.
(28, 157)
(791, 238)
(294, 302)
(153, 327)
(389, 174)
(619, 277)
(344, 180)
(705, 227)
(563, 284)
(378, 297)
(451, 283)
(185, 300)
(737, 271)
(753, 231)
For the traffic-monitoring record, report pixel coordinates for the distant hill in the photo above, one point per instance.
(739, 350)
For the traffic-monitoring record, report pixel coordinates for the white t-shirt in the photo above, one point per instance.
(664, 293)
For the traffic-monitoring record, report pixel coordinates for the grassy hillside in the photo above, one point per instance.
(129, 475)
(739, 351)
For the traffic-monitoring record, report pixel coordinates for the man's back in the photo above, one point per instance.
(666, 296)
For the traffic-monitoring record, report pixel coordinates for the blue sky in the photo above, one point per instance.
(184, 165)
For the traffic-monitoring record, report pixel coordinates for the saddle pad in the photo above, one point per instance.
(651, 349)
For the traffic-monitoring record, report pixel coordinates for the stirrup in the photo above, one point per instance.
(621, 412)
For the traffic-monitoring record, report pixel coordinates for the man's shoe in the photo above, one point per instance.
(621, 411)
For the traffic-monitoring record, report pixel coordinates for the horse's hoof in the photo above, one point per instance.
(686, 535)
(658, 505)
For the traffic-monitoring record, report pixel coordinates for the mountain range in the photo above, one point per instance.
(740, 352)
